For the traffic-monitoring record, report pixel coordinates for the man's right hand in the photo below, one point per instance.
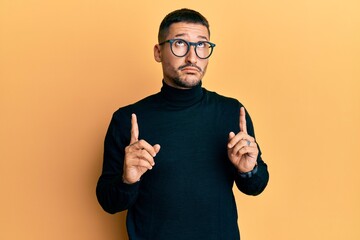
(139, 155)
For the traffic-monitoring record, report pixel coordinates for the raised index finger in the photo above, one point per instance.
(134, 129)
(242, 120)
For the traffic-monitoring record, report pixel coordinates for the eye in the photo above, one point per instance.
(179, 43)
(201, 44)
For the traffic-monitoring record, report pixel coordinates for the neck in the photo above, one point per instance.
(181, 96)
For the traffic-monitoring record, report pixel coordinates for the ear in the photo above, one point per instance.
(157, 53)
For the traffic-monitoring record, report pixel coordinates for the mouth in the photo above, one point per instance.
(190, 68)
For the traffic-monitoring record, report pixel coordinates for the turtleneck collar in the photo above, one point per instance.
(181, 97)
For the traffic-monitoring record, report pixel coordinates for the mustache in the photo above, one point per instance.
(190, 65)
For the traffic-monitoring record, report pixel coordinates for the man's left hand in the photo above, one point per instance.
(242, 148)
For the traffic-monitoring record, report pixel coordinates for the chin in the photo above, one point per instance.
(187, 82)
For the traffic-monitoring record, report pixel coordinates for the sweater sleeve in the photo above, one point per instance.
(255, 184)
(112, 194)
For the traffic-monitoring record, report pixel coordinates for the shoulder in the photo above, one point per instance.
(143, 104)
(229, 106)
(121, 119)
(221, 99)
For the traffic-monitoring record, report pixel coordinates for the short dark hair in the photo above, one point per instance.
(181, 15)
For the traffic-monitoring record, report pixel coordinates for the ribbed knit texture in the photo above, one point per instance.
(188, 194)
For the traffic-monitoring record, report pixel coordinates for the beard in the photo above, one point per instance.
(183, 82)
(186, 84)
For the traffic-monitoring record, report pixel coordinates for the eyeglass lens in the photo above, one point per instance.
(180, 48)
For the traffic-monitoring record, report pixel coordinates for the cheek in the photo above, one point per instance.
(203, 65)
(169, 69)
(172, 64)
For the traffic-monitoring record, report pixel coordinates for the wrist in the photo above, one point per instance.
(248, 174)
(128, 182)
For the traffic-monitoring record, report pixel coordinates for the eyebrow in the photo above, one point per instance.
(184, 34)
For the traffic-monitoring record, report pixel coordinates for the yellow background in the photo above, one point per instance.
(67, 65)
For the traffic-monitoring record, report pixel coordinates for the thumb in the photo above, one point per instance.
(156, 148)
(231, 135)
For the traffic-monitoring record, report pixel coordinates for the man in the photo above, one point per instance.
(183, 189)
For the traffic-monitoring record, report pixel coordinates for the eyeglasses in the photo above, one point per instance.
(180, 47)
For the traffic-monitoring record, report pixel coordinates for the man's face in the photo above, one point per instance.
(183, 72)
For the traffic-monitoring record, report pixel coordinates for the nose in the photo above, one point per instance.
(191, 55)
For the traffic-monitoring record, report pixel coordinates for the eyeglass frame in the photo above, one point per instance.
(189, 44)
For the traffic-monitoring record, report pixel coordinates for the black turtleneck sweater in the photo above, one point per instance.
(188, 194)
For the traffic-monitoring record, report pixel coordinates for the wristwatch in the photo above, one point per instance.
(249, 174)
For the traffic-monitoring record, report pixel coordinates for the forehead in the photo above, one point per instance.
(188, 30)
